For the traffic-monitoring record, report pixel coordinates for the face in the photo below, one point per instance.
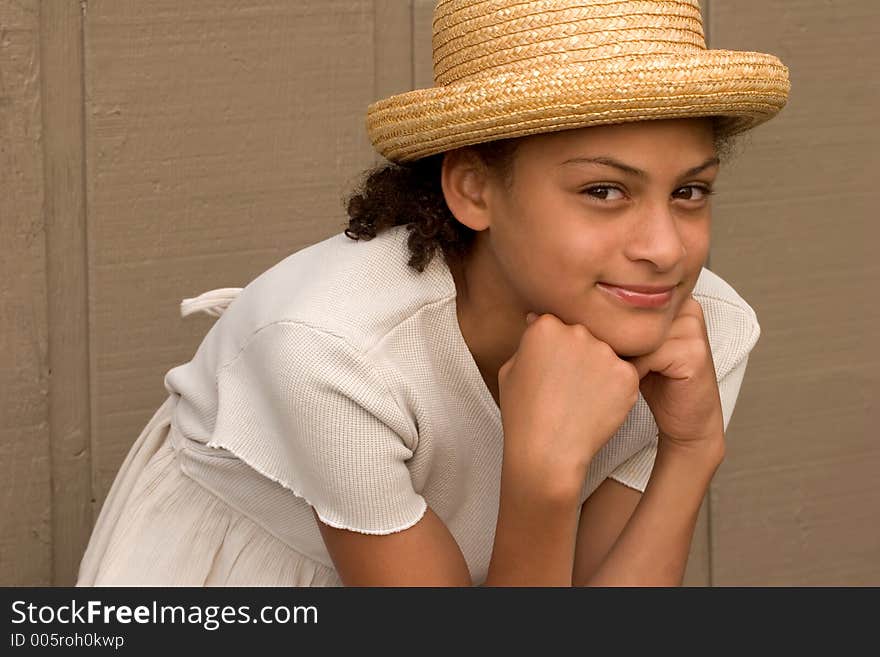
(594, 210)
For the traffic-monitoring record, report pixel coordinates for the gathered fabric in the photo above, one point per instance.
(159, 527)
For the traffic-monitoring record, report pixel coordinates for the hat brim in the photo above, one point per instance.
(743, 88)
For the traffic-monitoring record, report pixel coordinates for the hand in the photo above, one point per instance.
(679, 384)
(563, 394)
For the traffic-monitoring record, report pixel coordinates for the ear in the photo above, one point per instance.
(465, 181)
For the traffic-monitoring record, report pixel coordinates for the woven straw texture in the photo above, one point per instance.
(507, 68)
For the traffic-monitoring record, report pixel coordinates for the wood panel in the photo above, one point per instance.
(25, 496)
(796, 501)
(422, 58)
(66, 276)
(221, 137)
(393, 43)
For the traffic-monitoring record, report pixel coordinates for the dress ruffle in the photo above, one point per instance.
(159, 527)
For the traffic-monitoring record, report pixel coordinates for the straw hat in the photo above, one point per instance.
(510, 68)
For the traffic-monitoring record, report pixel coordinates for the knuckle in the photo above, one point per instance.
(690, 325)
(580, 331)
(700, 351)
(694, 308)
(633, 396)
(605, 351)
(631, 376)
(542, 323)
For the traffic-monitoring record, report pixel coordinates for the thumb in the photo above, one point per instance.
(643, 365)
(670, 361)
(531, 317)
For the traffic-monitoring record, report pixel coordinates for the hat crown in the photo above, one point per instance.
(472, 38)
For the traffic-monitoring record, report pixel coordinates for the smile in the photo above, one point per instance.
(640, 296)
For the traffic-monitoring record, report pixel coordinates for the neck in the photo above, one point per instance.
(489, 320)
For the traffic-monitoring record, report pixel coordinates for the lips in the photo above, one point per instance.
(641, 289)
(640, 296)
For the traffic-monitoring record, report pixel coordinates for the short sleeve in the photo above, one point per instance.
(311, 412)
(636, 471)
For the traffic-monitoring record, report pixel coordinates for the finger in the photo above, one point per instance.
(690, 307)
(686, 326)
(506, 367)
(671, 360)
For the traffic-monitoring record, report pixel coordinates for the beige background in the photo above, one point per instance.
(152, 151)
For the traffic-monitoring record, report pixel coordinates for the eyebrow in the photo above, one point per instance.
(611, 162)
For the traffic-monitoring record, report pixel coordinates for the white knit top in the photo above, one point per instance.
(339, 379)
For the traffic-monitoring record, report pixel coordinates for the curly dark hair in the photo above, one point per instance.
(410, 194)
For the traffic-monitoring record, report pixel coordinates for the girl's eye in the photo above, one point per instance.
(608, 193)
(693, 193)
(604, 193)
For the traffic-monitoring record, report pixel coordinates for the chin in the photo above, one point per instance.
(629, 347)
(628, 336)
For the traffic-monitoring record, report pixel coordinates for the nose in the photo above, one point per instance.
(656, 238)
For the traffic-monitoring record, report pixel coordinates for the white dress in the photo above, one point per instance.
(338, 380)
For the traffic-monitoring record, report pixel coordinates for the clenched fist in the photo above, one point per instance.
(563, 394)
(678, 382)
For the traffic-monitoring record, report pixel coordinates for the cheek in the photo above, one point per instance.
(584, 256)
(696, 242)
(538, 235)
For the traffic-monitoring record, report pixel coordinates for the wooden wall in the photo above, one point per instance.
(25, 463)
(152, 151)
(798, 498)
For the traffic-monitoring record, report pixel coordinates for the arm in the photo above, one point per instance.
(653, 548)
(608, 509)
(603, 517)
(397, 559)
(535, 536)
(534, 546)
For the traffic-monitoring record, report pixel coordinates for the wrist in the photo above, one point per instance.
(536, 485)
(709, 451)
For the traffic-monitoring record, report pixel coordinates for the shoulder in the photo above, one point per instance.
(731, 322)
(359, 290)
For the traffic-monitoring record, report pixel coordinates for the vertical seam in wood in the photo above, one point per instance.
(412, 44)
(707, 23)
(47, 365)
(376, 49)
(709, 548)
(89, 422)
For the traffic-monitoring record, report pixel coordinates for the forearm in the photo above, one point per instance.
(534, 539)
(653, 548)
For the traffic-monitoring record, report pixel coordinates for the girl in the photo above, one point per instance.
(511, 368)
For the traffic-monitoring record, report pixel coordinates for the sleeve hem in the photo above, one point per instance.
(636, 471)
(318, 509)
(626, 482)
(372, 532)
